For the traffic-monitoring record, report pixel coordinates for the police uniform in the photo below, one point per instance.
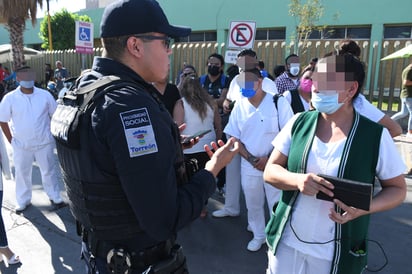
(129, 150)
(126, 182)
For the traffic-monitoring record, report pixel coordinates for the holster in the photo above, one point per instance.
(166, 253)
(89, 259)
(175, 264)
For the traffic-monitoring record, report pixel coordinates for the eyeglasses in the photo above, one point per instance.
(166, 39)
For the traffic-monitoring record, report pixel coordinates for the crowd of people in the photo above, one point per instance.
(152, 153)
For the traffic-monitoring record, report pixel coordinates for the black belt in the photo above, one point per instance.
(140, 259)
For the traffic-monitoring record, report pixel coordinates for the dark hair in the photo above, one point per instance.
(349, 46)
(278, 70)
(247, 52)
(232, 71)
(352, 67)
(261, 64)
(255, 71)
(291, 55)
(114, 46)
(218, 56)
(191, 67)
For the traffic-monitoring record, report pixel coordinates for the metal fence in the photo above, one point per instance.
(382, 85)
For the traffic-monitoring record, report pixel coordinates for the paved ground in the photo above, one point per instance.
(47, 242)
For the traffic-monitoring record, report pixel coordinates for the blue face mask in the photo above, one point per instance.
(248, 89)
(26, 84)
(326, 102)
(248, 92)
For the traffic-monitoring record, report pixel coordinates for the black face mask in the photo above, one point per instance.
(214, 71)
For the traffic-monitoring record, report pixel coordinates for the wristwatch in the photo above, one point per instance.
(252, 159)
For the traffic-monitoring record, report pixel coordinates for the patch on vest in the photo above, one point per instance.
(139, 132)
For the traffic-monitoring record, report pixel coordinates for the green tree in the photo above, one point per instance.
(63, 27)
(13, 13)
(307, 16)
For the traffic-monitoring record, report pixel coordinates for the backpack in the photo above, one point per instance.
(202, 80)
(275, 100)
(77, 104)
(296, 103)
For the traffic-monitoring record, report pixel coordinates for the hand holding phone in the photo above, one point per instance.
(199, 134)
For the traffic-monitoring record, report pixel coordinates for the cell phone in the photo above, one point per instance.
(200, 134)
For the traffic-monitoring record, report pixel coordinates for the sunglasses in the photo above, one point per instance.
(166, 39)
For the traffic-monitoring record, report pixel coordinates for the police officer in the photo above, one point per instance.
(123, 182)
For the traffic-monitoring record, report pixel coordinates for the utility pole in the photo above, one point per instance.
(49, 26)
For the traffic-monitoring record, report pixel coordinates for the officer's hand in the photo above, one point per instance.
(220, 154)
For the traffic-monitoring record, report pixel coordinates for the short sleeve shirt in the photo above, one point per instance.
(30, 116)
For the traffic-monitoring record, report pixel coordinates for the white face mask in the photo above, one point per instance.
(27, 84)
(294, 69)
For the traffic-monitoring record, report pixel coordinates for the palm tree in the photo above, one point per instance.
(13, 13)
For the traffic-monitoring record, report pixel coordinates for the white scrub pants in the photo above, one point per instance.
(232, 191)
(254, 189)
(23, 163)
(289, 260)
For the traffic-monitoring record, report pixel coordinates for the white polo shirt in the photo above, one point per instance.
(30, 116)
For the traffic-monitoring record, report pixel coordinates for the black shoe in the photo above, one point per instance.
(221, 192)
(58, 205)
(20, 209)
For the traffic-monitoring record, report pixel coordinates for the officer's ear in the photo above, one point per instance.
(135, 46)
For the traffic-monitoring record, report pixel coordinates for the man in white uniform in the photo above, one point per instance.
(246, 59)
(254, 121)
(29, 110)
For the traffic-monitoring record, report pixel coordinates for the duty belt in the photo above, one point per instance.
(139, 259)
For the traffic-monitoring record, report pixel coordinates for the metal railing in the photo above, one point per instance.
(383, 84)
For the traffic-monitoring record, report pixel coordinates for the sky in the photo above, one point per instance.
(57, 5)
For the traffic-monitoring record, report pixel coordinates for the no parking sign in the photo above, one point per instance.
(242, 34)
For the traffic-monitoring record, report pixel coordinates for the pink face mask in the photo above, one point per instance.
(306, 85)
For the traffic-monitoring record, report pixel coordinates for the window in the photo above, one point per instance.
(359, 33)
(270, 34)
(333, 33)
(199, 37)
(339, 33)
(397, 32)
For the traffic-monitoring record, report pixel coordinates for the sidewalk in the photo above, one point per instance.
(46, 240)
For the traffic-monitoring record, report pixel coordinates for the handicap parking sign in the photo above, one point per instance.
(84, 37)
(84, 34)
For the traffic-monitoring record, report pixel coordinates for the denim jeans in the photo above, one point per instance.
(405, 110)
(3, 237)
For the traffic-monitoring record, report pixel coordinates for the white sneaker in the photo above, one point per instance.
(223, 213)
(255, 244)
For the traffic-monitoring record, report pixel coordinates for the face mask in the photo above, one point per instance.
(248, 92)
(306, 85)
(214, 71)
(326, 102)
(294, 69)
(27, 84)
